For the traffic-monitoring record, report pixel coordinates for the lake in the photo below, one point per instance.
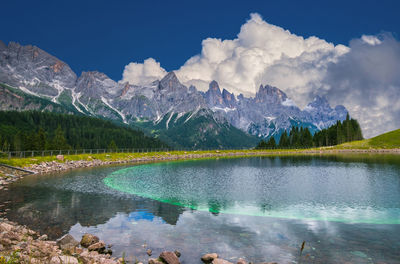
(346, 208)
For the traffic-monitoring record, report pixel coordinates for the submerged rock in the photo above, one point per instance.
(177, 253)
(169, 257)
(88, 240)
(208, 258)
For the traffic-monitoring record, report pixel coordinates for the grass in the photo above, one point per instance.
(26, 162)
(390, 140)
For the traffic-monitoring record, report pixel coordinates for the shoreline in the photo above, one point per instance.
(13, 235)
(61, 163)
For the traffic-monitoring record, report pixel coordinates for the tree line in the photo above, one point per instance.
(33, 130)
(299, 137)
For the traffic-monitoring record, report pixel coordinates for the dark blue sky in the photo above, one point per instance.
(107, 35)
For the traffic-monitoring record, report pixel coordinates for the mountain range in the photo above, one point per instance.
(181, 116)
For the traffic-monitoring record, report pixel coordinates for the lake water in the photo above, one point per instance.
(346, 208)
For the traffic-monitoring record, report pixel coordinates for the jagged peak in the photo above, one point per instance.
(227, 95)
(213, 86)
(270, 91)
(170, 80)
(94, 74)
(171, 76)
(319, 101)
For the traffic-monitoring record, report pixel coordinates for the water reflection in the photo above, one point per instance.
(79, 202)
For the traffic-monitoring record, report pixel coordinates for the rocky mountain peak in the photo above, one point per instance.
(169, 81)
(214, 87)
(213, 95)
(270, 94)
(319, 103)
(229, 98)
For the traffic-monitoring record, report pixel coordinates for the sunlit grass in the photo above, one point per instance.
(26, 162)
(390, 140)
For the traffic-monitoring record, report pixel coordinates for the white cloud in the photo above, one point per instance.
(371, 40)
(367, 81)
(302, 67)
(143, 73)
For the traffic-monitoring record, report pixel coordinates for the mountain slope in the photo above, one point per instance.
(198, 130)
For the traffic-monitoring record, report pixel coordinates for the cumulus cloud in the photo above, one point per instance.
(143, 73)
(362, 77)
(367, 81)
(261, 54)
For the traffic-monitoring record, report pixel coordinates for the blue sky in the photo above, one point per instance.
(107, 35)
(353, 60)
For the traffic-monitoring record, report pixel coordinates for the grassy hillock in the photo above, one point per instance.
(388, 140)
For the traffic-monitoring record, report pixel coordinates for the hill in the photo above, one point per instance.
(387, 140)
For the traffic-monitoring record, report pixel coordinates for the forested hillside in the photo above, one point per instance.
(341, 132)
(33, 130)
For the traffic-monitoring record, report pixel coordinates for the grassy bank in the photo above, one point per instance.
(26, 162)
(149, 156)
(390, 140)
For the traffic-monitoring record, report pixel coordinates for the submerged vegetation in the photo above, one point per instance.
(346, 131)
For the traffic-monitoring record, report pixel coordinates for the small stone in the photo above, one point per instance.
(221, 261)
(155, 261)
(44, 237)
(64, 259)
(177, 253)
(99, 247)
(88, 240)
(169, 257)
(149, 252)
(207, 258)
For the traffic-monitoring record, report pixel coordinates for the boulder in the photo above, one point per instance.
(208, 258)
(60, 157)
(169, 257)
(221, 261)
(66, 239)
(88, 240)
(99, 247)
(64, 259)
(155, 261)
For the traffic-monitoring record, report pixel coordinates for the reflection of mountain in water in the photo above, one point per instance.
(53, 212)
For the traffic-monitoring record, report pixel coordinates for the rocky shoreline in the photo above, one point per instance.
(19, 244)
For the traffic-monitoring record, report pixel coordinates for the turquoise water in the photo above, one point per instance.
(346, 208)
(323, 190)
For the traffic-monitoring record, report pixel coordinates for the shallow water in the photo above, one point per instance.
(346, 208)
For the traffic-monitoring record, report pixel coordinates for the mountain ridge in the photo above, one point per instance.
(268, 113)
